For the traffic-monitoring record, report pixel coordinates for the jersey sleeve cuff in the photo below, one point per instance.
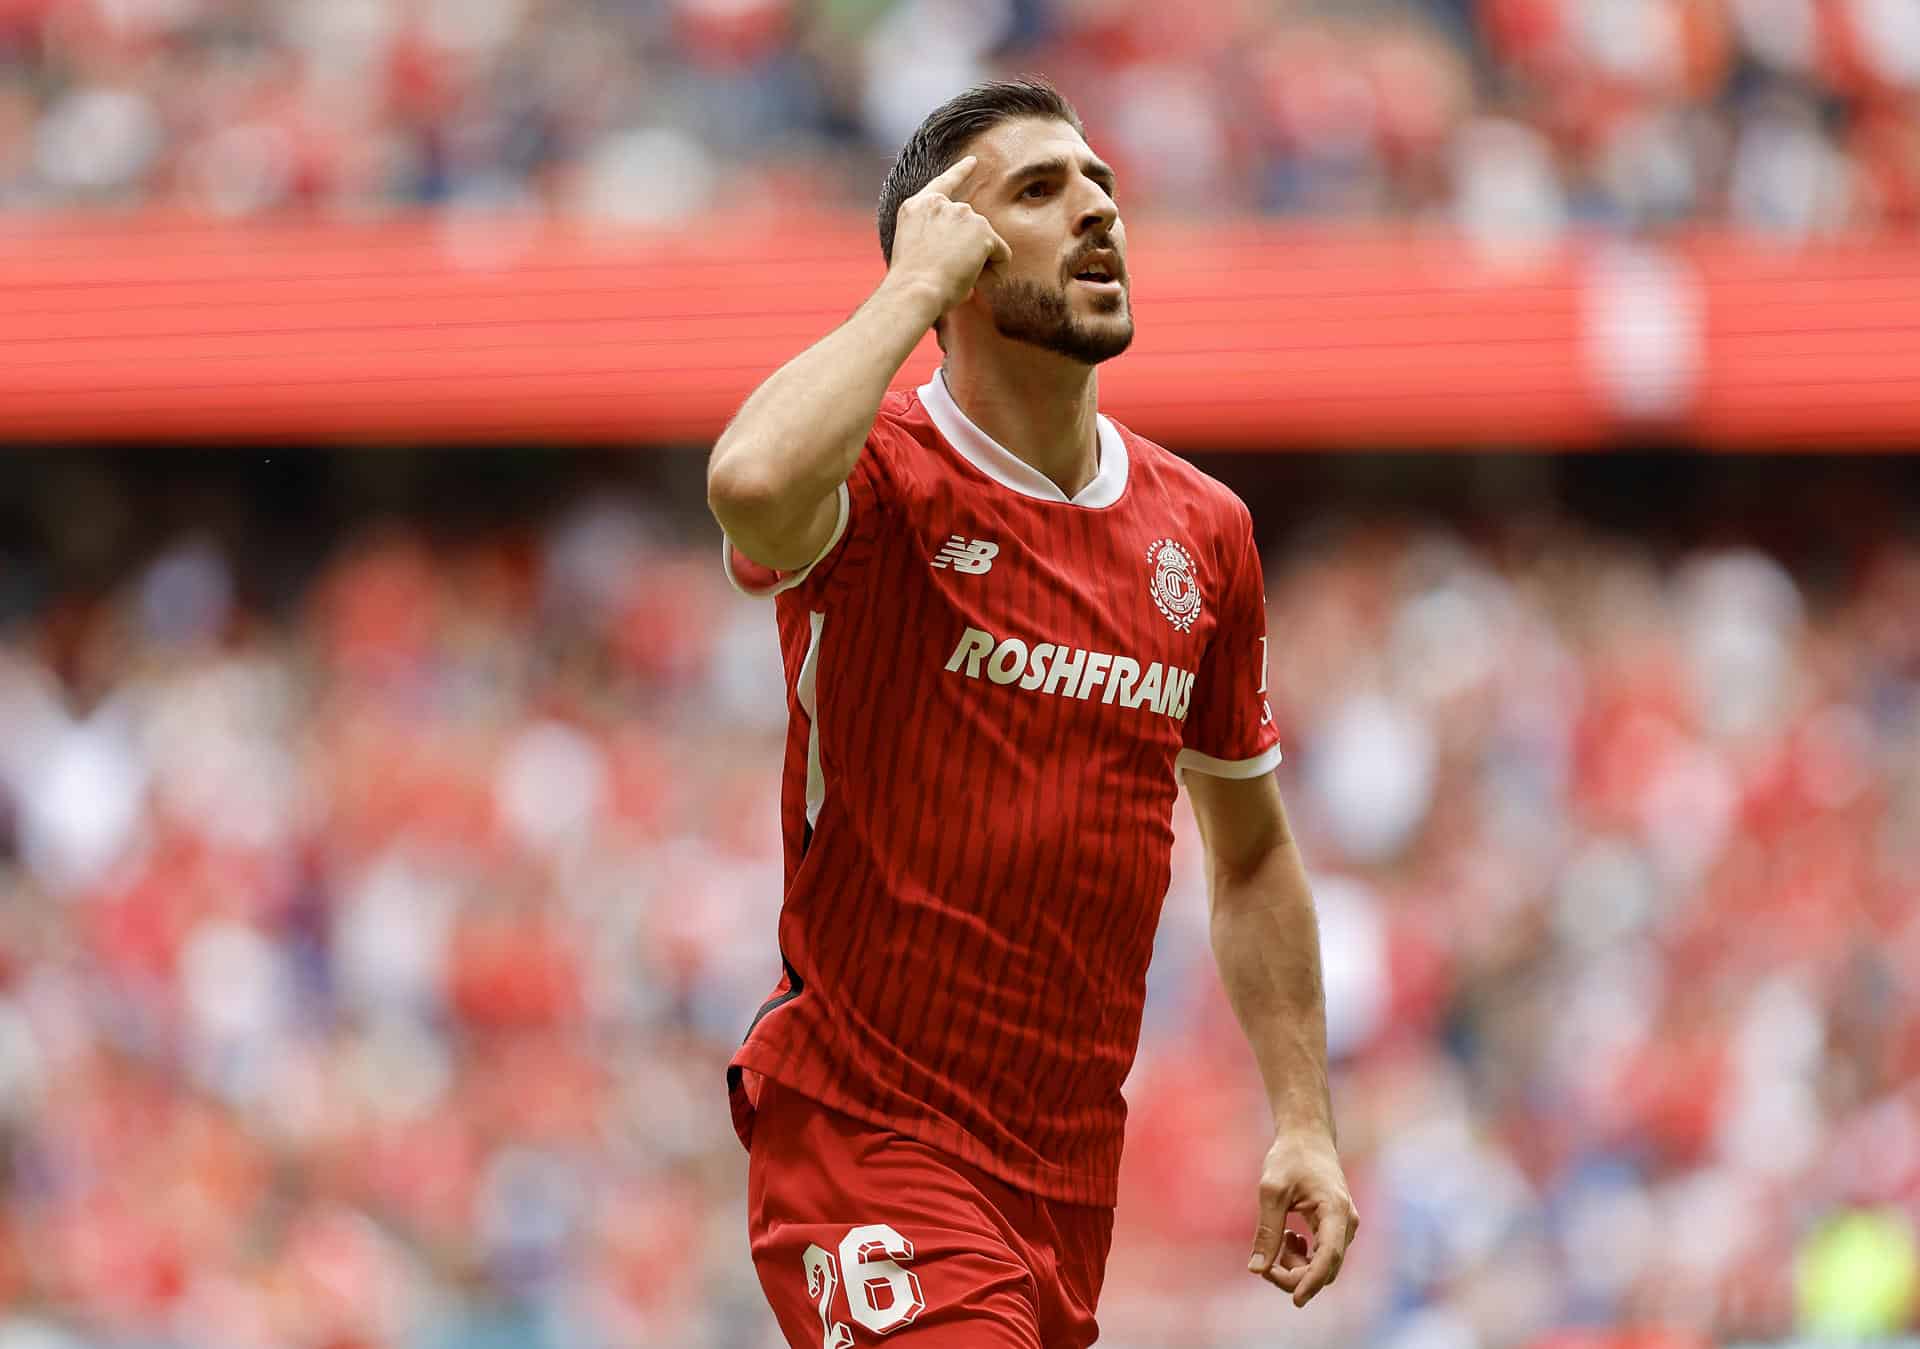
(1193, 760)
(758, 582)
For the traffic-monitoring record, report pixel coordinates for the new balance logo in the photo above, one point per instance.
(972, 557)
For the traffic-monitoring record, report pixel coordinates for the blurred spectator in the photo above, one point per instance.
(1794, 117)
(368, 963)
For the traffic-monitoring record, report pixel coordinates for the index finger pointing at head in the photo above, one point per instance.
(948, 183)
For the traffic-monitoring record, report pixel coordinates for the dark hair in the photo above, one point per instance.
(935, 147)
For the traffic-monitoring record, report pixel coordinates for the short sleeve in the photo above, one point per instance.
(1230, 731)
(864, 498)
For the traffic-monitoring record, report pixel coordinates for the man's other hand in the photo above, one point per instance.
(1303, 1175)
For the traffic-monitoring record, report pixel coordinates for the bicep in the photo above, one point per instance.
(1241, 819)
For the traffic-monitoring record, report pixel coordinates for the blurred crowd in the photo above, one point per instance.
(369, 957)
(1794, 117)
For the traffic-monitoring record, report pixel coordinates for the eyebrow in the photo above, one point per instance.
(1058, 167)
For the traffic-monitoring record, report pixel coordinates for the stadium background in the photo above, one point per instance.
(388, 855)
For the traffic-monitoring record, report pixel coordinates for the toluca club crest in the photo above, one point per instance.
(1174, 588)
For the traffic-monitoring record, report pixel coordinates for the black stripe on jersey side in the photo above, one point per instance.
(795, 987)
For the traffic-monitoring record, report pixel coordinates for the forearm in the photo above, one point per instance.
(798, 437)
(1266, 942)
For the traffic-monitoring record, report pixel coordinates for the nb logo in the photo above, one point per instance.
(973, 557)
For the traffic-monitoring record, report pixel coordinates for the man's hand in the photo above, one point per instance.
(941, 242)
(1303, 1176)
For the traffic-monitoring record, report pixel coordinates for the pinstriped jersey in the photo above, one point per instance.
(991, 689)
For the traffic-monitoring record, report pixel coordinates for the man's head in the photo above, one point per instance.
(1045, 193)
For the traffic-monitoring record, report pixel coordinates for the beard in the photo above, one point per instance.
(1029, 312)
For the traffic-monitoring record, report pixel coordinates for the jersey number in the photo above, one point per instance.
(880, 1295)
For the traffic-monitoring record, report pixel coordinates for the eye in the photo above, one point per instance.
(1036, 190)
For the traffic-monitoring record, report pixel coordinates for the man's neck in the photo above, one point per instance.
(1039, 406)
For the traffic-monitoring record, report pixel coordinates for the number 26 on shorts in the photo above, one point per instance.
(881, 1295)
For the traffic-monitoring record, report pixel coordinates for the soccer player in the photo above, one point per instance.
(1010, 625)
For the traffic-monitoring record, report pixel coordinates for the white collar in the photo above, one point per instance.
(1009, 469)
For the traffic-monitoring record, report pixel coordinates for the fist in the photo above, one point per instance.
(942, 242)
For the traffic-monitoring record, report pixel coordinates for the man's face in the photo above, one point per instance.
(1052, 200)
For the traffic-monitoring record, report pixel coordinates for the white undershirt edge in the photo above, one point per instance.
(1236, 769)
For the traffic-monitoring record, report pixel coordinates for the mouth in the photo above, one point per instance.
(1101, 271)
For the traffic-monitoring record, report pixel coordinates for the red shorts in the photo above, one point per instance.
(861, 1233)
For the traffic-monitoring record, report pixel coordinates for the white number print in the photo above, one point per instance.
(881, 1295)
(822, 1283)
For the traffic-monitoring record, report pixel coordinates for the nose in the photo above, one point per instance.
(1099, 211)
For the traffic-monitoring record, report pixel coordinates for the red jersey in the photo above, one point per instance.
(991, 688)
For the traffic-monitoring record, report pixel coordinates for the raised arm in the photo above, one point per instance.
(772, 478)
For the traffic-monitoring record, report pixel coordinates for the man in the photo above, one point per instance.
(1008, 625)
